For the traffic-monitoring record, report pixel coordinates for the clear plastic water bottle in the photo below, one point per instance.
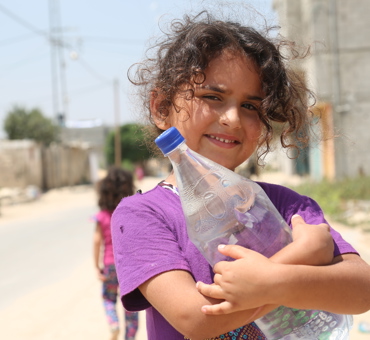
(222, 207)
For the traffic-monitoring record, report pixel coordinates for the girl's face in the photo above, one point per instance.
(221, 122)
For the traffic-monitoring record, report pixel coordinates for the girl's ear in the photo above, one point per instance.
(158, 111)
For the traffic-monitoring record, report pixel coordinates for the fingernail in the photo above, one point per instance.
(221, 246)
(296, 215)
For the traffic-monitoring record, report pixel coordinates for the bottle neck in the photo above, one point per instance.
(188, 167)
(175, 157)
(175, 154)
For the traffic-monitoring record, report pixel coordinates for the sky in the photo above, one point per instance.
(100, 39)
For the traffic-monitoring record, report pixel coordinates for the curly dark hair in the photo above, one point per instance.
(117, 184)
(183, 54)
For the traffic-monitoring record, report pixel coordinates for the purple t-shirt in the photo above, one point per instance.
(149, 238)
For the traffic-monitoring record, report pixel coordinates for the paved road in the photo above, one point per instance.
(43, 248)
(48, 288)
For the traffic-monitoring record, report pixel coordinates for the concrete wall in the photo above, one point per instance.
(25, 163)
(338, 71)
(20, 164)
(66, 165)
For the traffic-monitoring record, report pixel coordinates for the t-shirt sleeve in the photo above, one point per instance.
(98, 217)
(312, 214)
(289, 202)
(145, 245)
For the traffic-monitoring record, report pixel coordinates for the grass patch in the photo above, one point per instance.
(340, 199)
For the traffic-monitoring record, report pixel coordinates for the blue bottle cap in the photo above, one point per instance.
(169, 140)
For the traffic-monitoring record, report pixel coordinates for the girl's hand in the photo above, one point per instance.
(100, 275)
(245, 283)
(312, 245)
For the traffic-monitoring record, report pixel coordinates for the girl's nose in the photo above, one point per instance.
(230, 117)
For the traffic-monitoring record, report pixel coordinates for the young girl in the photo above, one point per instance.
(224, 86)
(117, 184)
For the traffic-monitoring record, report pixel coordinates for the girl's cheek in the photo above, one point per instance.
(254, 127)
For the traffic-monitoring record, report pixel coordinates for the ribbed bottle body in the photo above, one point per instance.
(222, 207)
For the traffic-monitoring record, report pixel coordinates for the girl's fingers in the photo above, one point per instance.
(234, 251)
(218, 309)
(297, 220)
(217, 279)
(212, 291)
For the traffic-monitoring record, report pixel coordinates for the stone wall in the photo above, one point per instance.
(25, 163)
(20, 164)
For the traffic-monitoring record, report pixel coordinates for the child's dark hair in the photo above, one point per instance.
(118, 183)
(185, 52)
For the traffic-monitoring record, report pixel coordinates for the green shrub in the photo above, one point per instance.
(332, 196)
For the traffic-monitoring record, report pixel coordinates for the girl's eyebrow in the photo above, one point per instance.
(255, 98)
(212, 88)
(220, 90)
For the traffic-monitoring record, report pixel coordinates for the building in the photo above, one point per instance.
(339, 73)
(90, 131)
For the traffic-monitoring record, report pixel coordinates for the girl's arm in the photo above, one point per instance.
(341, 286)
(312, 245)
(97, 243)
(174, 294)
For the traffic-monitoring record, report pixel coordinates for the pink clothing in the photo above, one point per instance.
(103, 218)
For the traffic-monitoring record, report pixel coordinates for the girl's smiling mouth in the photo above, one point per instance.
(222, 141)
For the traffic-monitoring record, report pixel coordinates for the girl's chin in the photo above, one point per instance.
(219, 159)
(225, 165)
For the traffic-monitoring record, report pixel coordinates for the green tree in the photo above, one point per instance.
(21, 123)
(133, 147)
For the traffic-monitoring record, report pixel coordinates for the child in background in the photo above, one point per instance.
(117, 184)
(226, 86)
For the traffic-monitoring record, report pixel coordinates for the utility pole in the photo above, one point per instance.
(117, 135)
(53, 60)
(62, 66)
(57, 62)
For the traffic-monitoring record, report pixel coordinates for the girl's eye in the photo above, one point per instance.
(211, 97)
(250, 107)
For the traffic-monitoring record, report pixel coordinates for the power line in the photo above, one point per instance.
(22, 62)
(57, 43)
(34, 29)
(90, 89)
(81, 91)
(92, 72)
(23, 22)
(14, 40)
(110, 40)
